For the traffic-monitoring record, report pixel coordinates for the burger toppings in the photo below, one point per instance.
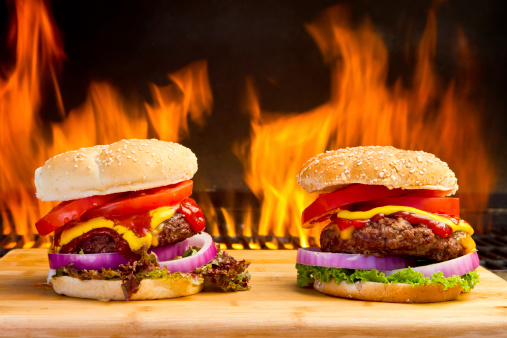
(368, 221)
(129, 215)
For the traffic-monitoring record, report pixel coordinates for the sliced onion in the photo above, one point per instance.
(313, 256)
(87, 261)
(205, 255)
(454, 267)
(164, 254)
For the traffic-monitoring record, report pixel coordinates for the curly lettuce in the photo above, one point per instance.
(307, 274)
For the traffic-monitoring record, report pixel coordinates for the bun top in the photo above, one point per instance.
(375, 165)
(127, 165)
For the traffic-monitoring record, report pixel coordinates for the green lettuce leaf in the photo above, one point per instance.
(307, 274)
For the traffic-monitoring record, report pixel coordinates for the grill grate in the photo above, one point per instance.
(492, 247)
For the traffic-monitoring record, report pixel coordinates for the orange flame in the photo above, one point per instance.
(363, 110)
(105, 117)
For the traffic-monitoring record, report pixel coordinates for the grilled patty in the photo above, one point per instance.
(105, 240)
(394, 237)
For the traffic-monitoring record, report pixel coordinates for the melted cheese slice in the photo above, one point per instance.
(135, 243)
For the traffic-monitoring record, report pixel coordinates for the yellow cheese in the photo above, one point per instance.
(135, 243)
(391, 209)
(346, 234)
(468, 243)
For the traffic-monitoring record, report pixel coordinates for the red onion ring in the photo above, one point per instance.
(313, 256)
(165, 254)
(87, 261)
(205, 255)
(454, 267)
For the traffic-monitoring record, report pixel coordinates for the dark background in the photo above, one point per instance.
(133, 43)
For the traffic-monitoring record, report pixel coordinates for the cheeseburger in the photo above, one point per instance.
(389, 233)
(126, 227)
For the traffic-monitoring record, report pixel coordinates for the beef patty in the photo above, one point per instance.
(105, 240)
(394, 237)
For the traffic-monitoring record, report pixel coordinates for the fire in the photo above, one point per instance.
(105, 116)
(363, 110)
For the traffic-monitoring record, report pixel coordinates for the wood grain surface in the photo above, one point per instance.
(274, 306)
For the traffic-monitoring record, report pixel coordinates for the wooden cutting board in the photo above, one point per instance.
(274, 306)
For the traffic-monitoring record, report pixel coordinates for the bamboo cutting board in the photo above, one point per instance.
(274, 306)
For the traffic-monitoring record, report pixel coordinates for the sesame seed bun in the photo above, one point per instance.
(127, 165)
(392, 292)
(375, 165)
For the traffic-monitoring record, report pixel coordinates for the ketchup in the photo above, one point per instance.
(439, 228)
(193, 214)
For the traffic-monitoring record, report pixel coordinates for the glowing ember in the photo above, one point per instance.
(363, 110)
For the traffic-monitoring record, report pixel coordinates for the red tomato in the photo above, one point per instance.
(327, 203)
(68, 211)
(137, 202)
(436, 205)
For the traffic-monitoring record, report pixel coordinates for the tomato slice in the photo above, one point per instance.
(68, 211)
(436, 205)
(327, 203)
(137, 202)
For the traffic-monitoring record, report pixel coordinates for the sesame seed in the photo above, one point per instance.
(135, 160)
(147, 163)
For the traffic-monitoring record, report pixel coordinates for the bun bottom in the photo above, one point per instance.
(391, 293)
(105, 290)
